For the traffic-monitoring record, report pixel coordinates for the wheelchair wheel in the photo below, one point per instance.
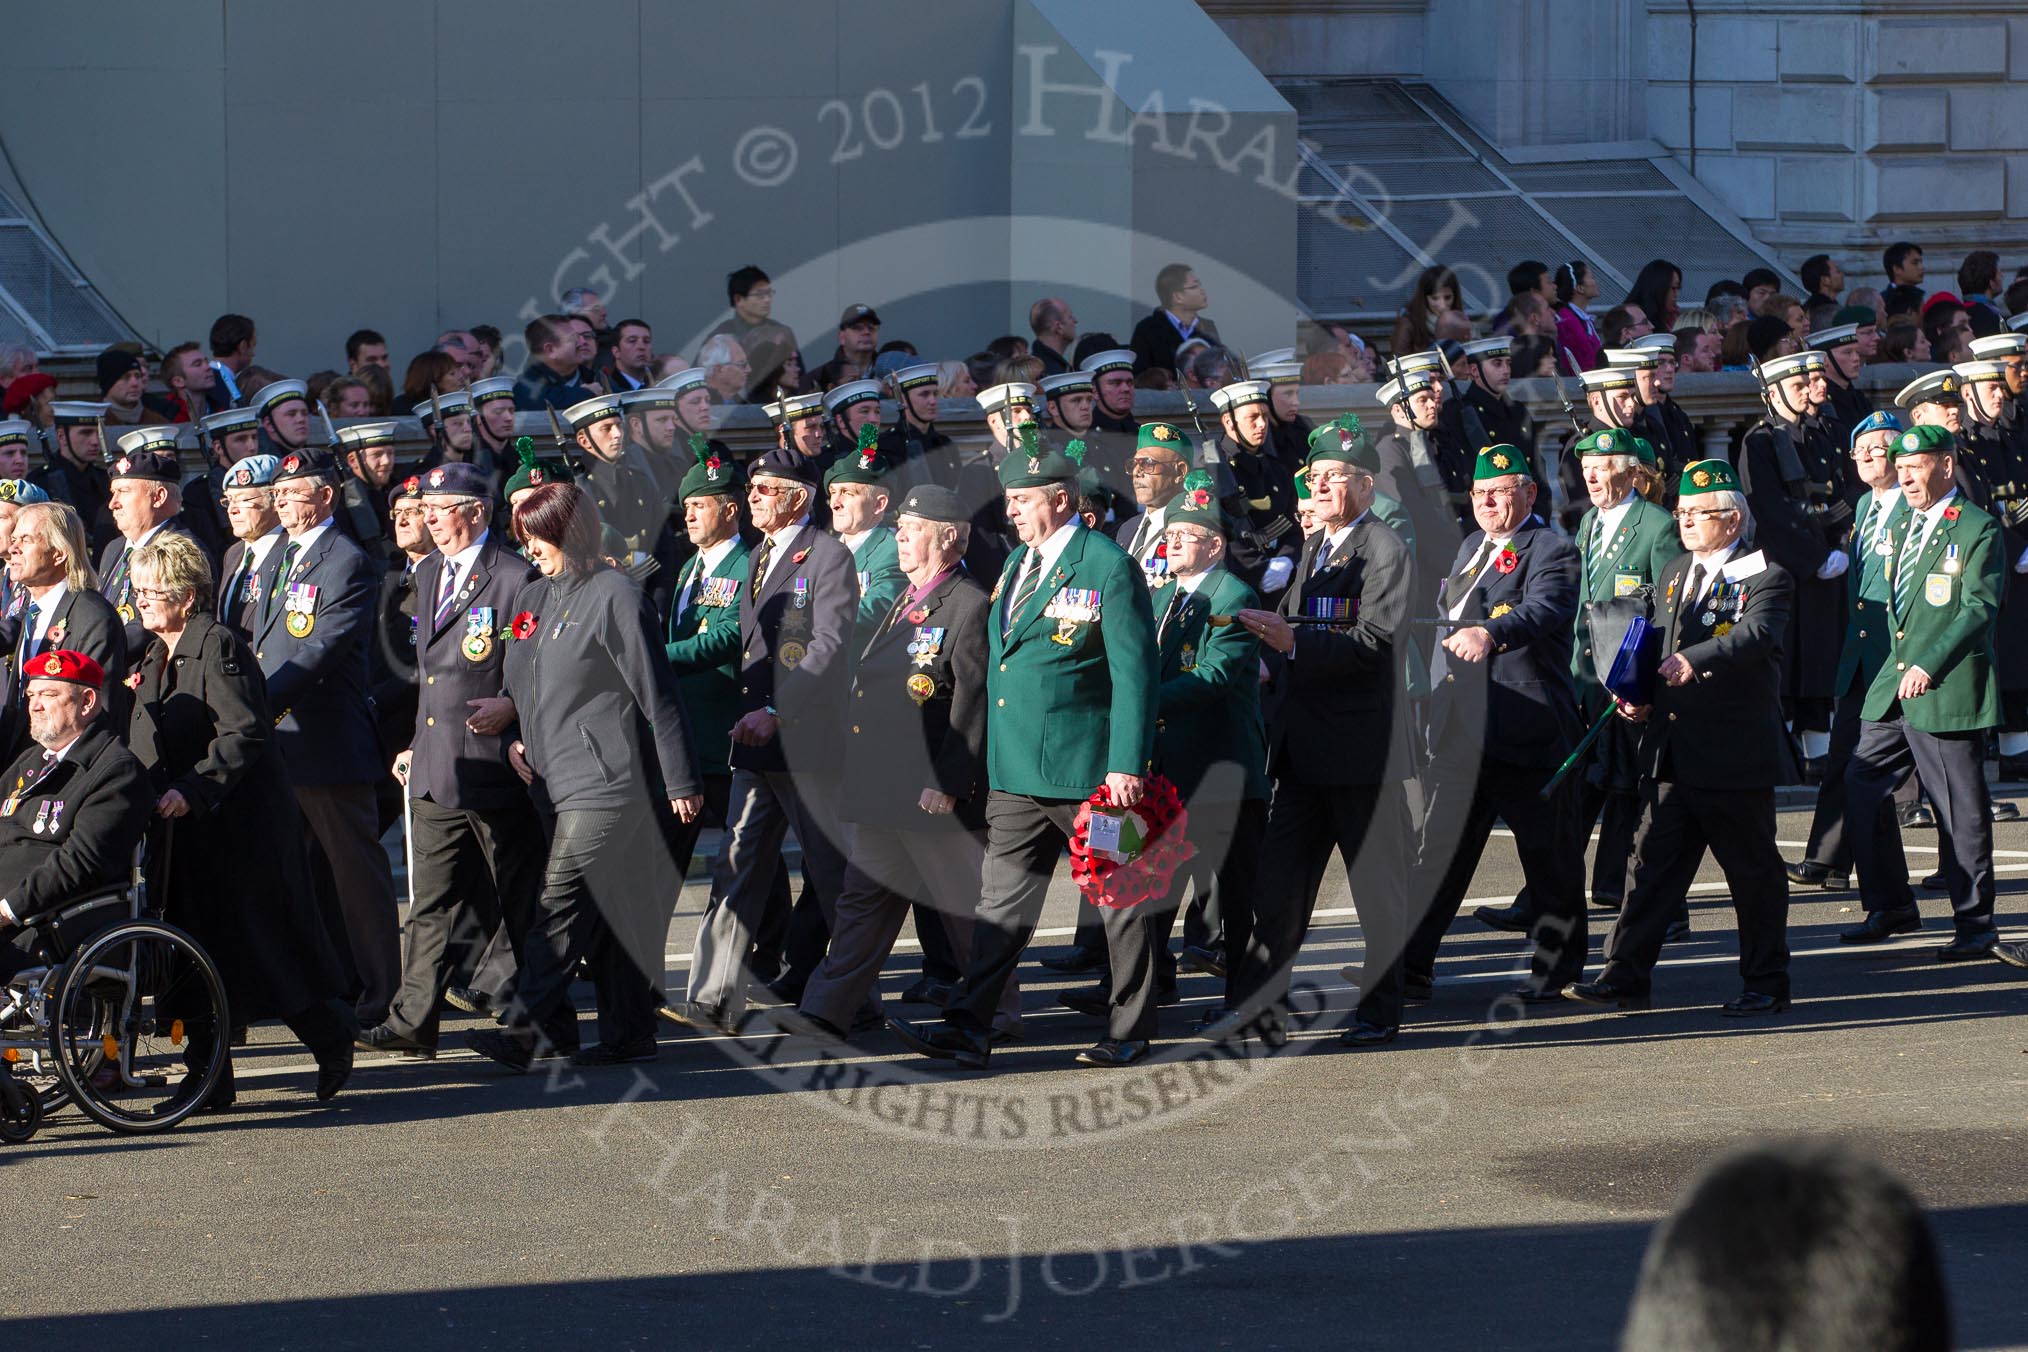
(20, 1111)
(120, 1021)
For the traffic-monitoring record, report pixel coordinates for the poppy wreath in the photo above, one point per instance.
(1162, 822)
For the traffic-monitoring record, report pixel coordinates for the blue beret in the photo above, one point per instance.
(255, 471)
(1886, 420)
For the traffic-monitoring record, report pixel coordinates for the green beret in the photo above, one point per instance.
(1164, 437)
(1854, 314)
(1196, 505)
(710, 477)
(864, 465)
(1497, 462)
(534, 473)
(1707, 476)
(1033, 465)
(1644, 451)
(1612, 441)
(1924, 439)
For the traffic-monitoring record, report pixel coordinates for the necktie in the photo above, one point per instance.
(1024, 587)
(1911, 554)
(761, 558)
(1139, 548)
(1690, 595)
(237, 592)
(1451, 593)
(1594, 551)
(690, 576)
(1866, 540)
(289, 552)
(447, 598)
(1172, 611)
(1322, 556)
(116, 582)
(28, 619)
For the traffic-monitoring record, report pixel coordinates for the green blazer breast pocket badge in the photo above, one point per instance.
(1626, 584)
(1072, 607)
(301, 607)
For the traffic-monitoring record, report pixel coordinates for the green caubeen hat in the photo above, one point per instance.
(1030, 464)
(535, 473)
(1707, 476)
(1342, 439)
(711, 477)
(1497, 462)
(1196, 504)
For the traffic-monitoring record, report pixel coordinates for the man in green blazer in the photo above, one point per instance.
(1210, 742)
(859, 493)
(1932, 703)
(1070, 680)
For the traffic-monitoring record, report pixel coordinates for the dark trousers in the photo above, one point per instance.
(1024, 839)
(1142, 970)
(1952, 767)
(602, 896)
(1464, 803)
(937, 870)
(1618, 814)
(1367, 826)
(940, 960)
(683, 845)
(1678, 823)
(473, 874)
(1830, 836)
(345, 823)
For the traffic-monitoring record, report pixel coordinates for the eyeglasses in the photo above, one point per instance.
(250, 500)
(280, 498)
(1318, 481)
(1180, 536)
(1494, 494)
(157, 597)
(408, 513)
(764, 490)
(1687, 516)
(1149, 464)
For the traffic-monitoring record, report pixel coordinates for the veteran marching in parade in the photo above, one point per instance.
(1196, 663)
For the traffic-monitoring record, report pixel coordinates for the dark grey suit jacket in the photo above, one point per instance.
(317, 680)
(452, 766)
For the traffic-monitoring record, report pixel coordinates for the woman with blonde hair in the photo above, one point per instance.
(56, 605)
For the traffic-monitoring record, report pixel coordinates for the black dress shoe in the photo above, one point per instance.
(1096, 1001)
(2014, 955)
(1880, 926)
(1115, 1052)
(1917, 813)
(1201, 959)
(1532, 994)
(2003, 811)
(1417, 988)
(696, 1018)
(381, 1038)
(1364, 1034)
(496, 1045)
(1510, 918)
(785, 989)
(334, 1068)
(1606, 994)
(944, 1042)
(1935, 882)
(1604, 902)
(1810, 873)
(1747, 1004)
(608, 1054)
(469, 1000)
(1077, 959)
(1678, 930)
(1213, 1016)
(796, 1023)
(925, 992)
(1969, 947)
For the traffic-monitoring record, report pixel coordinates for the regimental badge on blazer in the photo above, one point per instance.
(478, 644)
(1936, 589)
(301, 609)
(920, 687)
(1626, 584)
(1187, 659)
(793, 653)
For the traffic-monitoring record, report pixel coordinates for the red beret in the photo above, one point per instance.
(26, 388)
(65, 665)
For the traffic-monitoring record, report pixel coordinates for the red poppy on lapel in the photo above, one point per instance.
(918, 615)
(1505, 560)
(524, 625)
(1950, 513)
(799, 556)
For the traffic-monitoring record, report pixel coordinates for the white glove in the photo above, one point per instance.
(1834, 565)
(1279, 570)
(2021, 564)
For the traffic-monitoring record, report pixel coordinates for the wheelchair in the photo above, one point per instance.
(125, 1017)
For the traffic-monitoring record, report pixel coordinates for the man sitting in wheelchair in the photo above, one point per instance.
(75, 807)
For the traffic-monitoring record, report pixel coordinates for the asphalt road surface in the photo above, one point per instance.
(1489, 1181)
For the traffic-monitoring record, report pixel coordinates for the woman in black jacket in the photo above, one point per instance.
(226, 856)
(603, 740)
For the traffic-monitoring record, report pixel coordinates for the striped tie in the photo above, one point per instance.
(1025, 586)
(1911, 554)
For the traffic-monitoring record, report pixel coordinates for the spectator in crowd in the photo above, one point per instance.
(380, 384)
(1524, 279)
(1180, 303)
(1772, 336)
(1823, 283)
(752, 297)
(431, 372)
(30, 397)
(1903, 341)
(774, 367)
(725, 369)
(1622, 324)
(1453, 326)
(587, 340)
(1055, 329)
(2016, 299)
(581, 302)
(550, 379)
(982, 366)
(1903, 262)
(486, 350)
(232, 352)
(15, 361)
(1865, 297)
(1699, 341)
(1948, 326)
(365, 347)
(1018, 371)
(954, 381)
(123, 374)
(1209, 368)
(1791, 312)
(1577, 337)
(1008, 346)
(1530, 316)
(1330, 367)
(1733, 349)
(253, 380)
(1787, 1247)
(189, 386)
(1979, 286)
(1154, 379)
(666, 364)
(1762, 286)
(1899, 301)
(627, 364)
(1533, 357)
(1436, 293)
(1655, 294)
(348, 397)
(1727, 310)
(858, 340)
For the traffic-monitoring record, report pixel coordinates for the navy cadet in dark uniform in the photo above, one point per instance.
(476, 842)
(146, 500)
(910, 446)
(72, 469)
(1847, 404)
(365, 453)
(973, 473)
(226, 438)
(1415, 469)
(1257, 494)
(249, 498)
(1712, 751)
(283, 408)
(1112, 384)
(448, 421)
(1503, 715)
(1288, 430)
(1662, 421)
(628, 496)
(1482, 414)
(1336, 751)
(799, 425)
(493, 425)
(1993, 471)
(796, 618)
(314, 622)
(915, 774)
